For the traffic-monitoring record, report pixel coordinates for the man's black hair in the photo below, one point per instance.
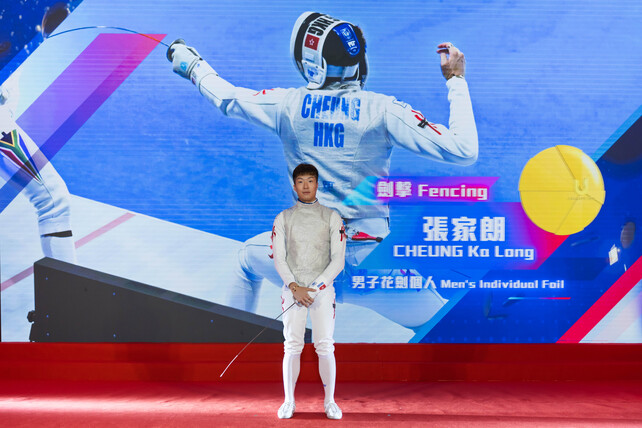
(305, 169)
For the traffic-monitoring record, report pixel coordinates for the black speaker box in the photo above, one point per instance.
(76, 304)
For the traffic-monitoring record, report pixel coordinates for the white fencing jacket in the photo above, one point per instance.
(308, 243)
(346, 132)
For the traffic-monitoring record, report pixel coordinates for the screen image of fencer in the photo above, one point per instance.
(349, 134)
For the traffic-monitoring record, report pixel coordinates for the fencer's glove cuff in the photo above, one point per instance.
(200, 70)
(183, 58)
(187, 62)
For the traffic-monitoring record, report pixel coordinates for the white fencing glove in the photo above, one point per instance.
(183, 58)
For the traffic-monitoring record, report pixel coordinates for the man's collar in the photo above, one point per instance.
(307, 203)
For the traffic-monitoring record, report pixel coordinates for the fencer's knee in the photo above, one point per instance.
(248, 258)
(63, 203)
(52, 204)
(324, 347)
(245, 269)
(293, 348)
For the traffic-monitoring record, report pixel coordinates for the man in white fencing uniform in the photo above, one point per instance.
(23, 166)
(309, 252)
(349, 134)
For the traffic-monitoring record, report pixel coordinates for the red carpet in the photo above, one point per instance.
(178, 385)
(440, 404)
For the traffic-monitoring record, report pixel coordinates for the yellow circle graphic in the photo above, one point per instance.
(562, 190)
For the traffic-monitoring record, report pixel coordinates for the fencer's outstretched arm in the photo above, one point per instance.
(457, 143)
(233, 101)
(337, 252)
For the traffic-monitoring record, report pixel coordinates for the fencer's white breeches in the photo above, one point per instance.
(48, 194)
(27, 171)
(51, 200)
(322, 316)
(255, 263)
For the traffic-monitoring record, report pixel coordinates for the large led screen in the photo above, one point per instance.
(525, 235)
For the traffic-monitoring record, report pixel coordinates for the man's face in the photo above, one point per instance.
(305, 187)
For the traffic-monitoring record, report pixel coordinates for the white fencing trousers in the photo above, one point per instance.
(25, 167)
(322, 314)
(48, 194)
